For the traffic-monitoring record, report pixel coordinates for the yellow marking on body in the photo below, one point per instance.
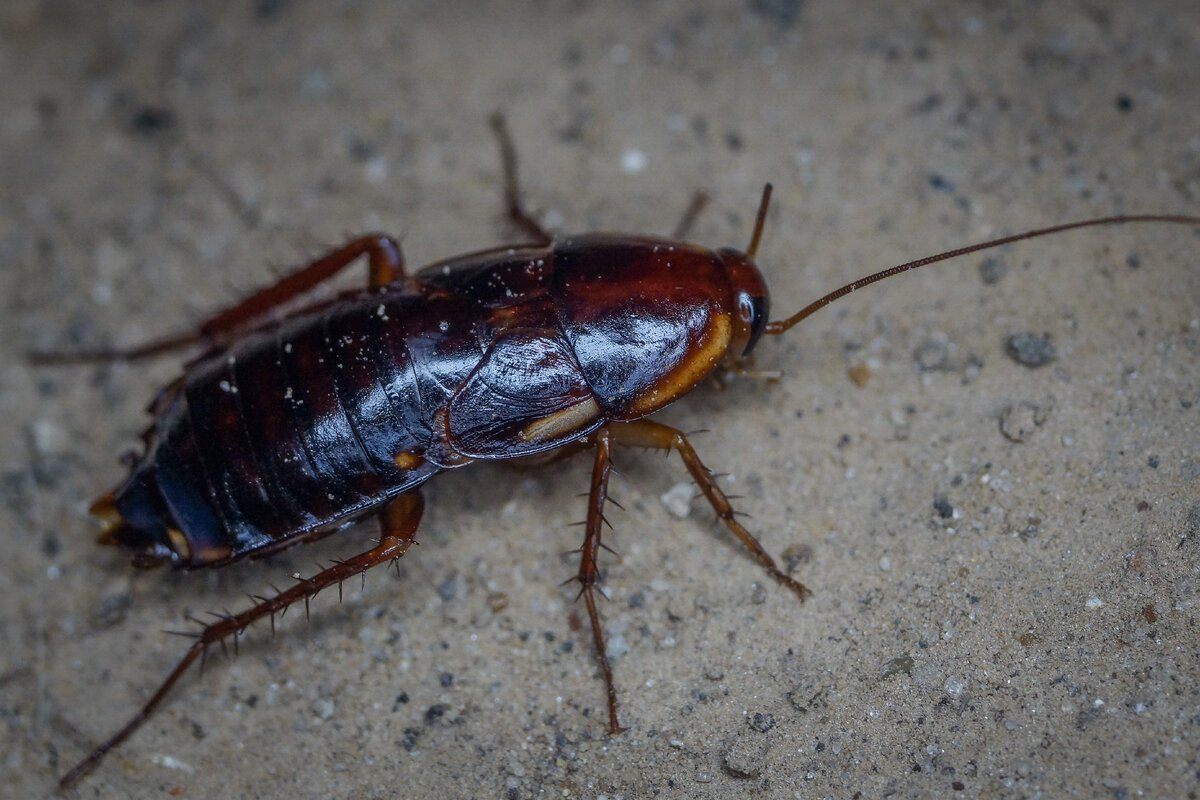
(179, 543)
(691, 370)
(106, 510)
(562, 422)
(208, 555)
(406, 460)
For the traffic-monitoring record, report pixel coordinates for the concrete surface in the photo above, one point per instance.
(1004, 558)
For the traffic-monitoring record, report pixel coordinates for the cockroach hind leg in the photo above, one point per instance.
(399, 523)
(385, 265)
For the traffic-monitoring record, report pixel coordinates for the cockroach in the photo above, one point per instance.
(289, 426)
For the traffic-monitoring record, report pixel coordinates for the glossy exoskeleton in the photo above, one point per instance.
(286, 429)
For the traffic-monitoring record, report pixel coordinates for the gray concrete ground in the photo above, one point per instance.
(1003, 557)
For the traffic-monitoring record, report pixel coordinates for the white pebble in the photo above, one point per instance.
(678, 499)
(616, 647)
(173, 763)
(633, 161)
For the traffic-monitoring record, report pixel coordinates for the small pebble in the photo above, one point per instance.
(859, 374)
(112, 609)
(173, 763)
(1030, 349)
(48, 438)
(932, 355)
(497, 601)
(678, 499)
(762, 722)
(899, 664)
(448, 588)
(992, 270)
(759, 594)
(616, 647)
(745, 755)
(323, 707)
(796, 554)
(1018, 421)
(943, 507)
(781, 12)
(633, 161)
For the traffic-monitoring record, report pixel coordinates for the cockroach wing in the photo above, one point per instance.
(526, 395)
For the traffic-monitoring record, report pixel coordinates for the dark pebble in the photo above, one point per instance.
(762, 722)
(943, 507)
(781, 12)
(1030, 349)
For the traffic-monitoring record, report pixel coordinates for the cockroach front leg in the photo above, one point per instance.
(398, 526)
(385, 265)
(645, 433)
(589, 564)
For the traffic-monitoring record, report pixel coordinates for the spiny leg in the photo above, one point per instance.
(385, 264)
(697, 204)
(398, 526)
(514, 205)
(589, 564)
(645, 433)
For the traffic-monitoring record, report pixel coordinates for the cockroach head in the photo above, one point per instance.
(751, 300)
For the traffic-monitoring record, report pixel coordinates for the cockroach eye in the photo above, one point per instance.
(753, 312)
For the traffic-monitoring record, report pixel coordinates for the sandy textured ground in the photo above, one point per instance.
(1004, 558)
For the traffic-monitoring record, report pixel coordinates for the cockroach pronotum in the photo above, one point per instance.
(287, 427)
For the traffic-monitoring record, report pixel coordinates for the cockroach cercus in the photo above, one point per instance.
(289, 426)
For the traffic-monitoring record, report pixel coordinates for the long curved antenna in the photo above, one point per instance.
(780, 326)
(759, 220)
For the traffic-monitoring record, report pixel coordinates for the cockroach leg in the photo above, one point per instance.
(589, 563)
(398, 523)
(646, 433)
(149, 349)
(514, 205)
(698, 202)
(385, 264)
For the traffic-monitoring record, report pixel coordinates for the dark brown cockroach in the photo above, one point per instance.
(283, 430)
